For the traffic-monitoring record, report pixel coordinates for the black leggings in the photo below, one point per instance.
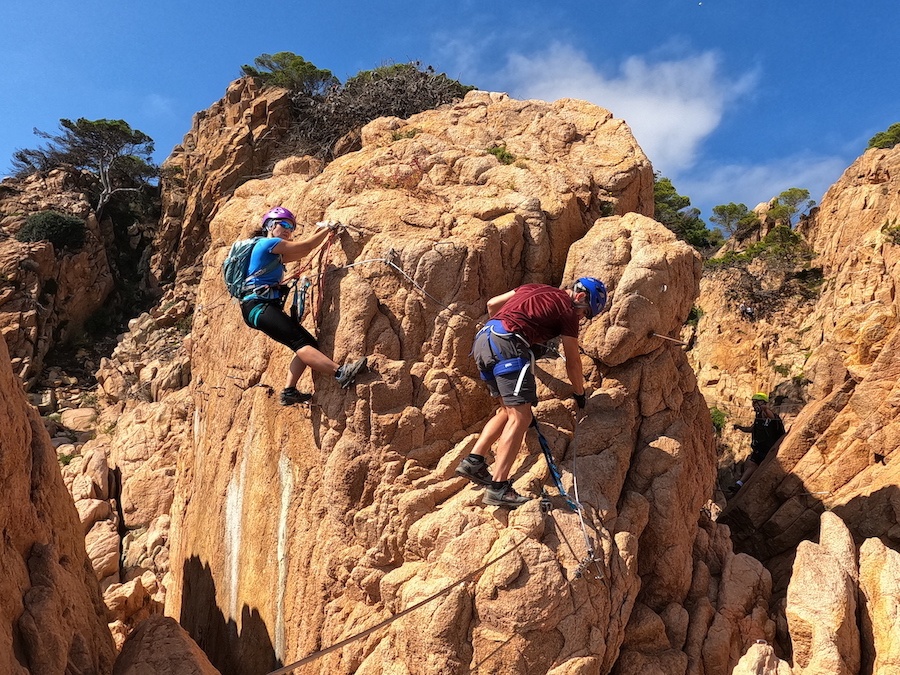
(269, 317)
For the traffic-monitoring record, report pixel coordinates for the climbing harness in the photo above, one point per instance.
(519, 364)
(368, 631)
(300, 287)
(574, 504)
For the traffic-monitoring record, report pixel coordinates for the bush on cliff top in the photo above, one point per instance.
(886, 139)
(325, 111)
(60, 229)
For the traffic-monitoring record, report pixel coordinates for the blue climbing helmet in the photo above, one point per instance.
(596, 292)
(278, 213)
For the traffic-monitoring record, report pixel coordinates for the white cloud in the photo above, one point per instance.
(753, 184)
(159, 106)
(671, 105)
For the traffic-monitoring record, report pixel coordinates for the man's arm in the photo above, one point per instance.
(573, 363)
(291, 251)
(496, 303)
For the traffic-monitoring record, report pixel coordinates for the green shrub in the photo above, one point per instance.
(694, 316)
(886, 139)
(784, 371)
(60, 229)
(891, 231)
(718, 419)
(399, 135)
(782, 243)
(502, 154)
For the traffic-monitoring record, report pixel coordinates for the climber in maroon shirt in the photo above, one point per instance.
(526, 316)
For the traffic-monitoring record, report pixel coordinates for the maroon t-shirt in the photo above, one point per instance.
(539, 313)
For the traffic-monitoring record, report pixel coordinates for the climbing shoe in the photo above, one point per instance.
(504, 495)
(475, 470)
(347, 373)
(290, 396)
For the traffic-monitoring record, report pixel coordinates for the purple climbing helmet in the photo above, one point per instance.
(278, 213)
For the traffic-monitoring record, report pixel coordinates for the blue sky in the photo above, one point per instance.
(733, 100)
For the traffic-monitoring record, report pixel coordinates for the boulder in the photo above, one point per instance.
(160, 645)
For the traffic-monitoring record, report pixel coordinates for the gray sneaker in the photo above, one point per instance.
(477, 472)
(504, 496)
(347, 373)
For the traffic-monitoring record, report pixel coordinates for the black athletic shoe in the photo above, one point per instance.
(347, 373)
(477, 472)
(290, 396)
(503, 496)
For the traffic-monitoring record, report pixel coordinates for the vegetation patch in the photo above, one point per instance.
(676, 213)
(718, 418)
(891, 231)
(886, 139)
(325, 111)
(503, 155)
(694, 316)
(62, 230)
(409, 133)
(782, 269)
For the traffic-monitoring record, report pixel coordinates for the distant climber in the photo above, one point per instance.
(525, 316)
(766, 434)
(747, 312)
(263, 296)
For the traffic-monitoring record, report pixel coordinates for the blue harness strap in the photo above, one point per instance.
(254, 314)
(505, 366)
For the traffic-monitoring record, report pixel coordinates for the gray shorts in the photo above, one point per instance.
(516, 386)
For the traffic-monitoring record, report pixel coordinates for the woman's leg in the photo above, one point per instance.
(312, 357)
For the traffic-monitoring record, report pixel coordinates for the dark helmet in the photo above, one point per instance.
(278, 213)
(596, 292)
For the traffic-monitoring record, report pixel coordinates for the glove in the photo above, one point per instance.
(580, 399)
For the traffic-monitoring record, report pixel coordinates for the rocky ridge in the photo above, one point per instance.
(840, 453)
(47, 295)
(356, 497)
(51, 610)
(726, 611)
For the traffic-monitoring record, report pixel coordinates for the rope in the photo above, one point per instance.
(390, 263)
(353, 638)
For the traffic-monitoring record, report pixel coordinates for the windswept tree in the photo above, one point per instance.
(791, 202)
(287, 70)
(675, 212)
(732, 218)
(119, 156)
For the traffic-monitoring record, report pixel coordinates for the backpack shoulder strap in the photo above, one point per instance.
(265, 269)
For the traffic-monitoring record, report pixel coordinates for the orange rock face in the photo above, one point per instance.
(293, 528)
(841, 452)
(51, 615)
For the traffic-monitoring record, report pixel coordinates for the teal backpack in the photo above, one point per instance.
(235, 269)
